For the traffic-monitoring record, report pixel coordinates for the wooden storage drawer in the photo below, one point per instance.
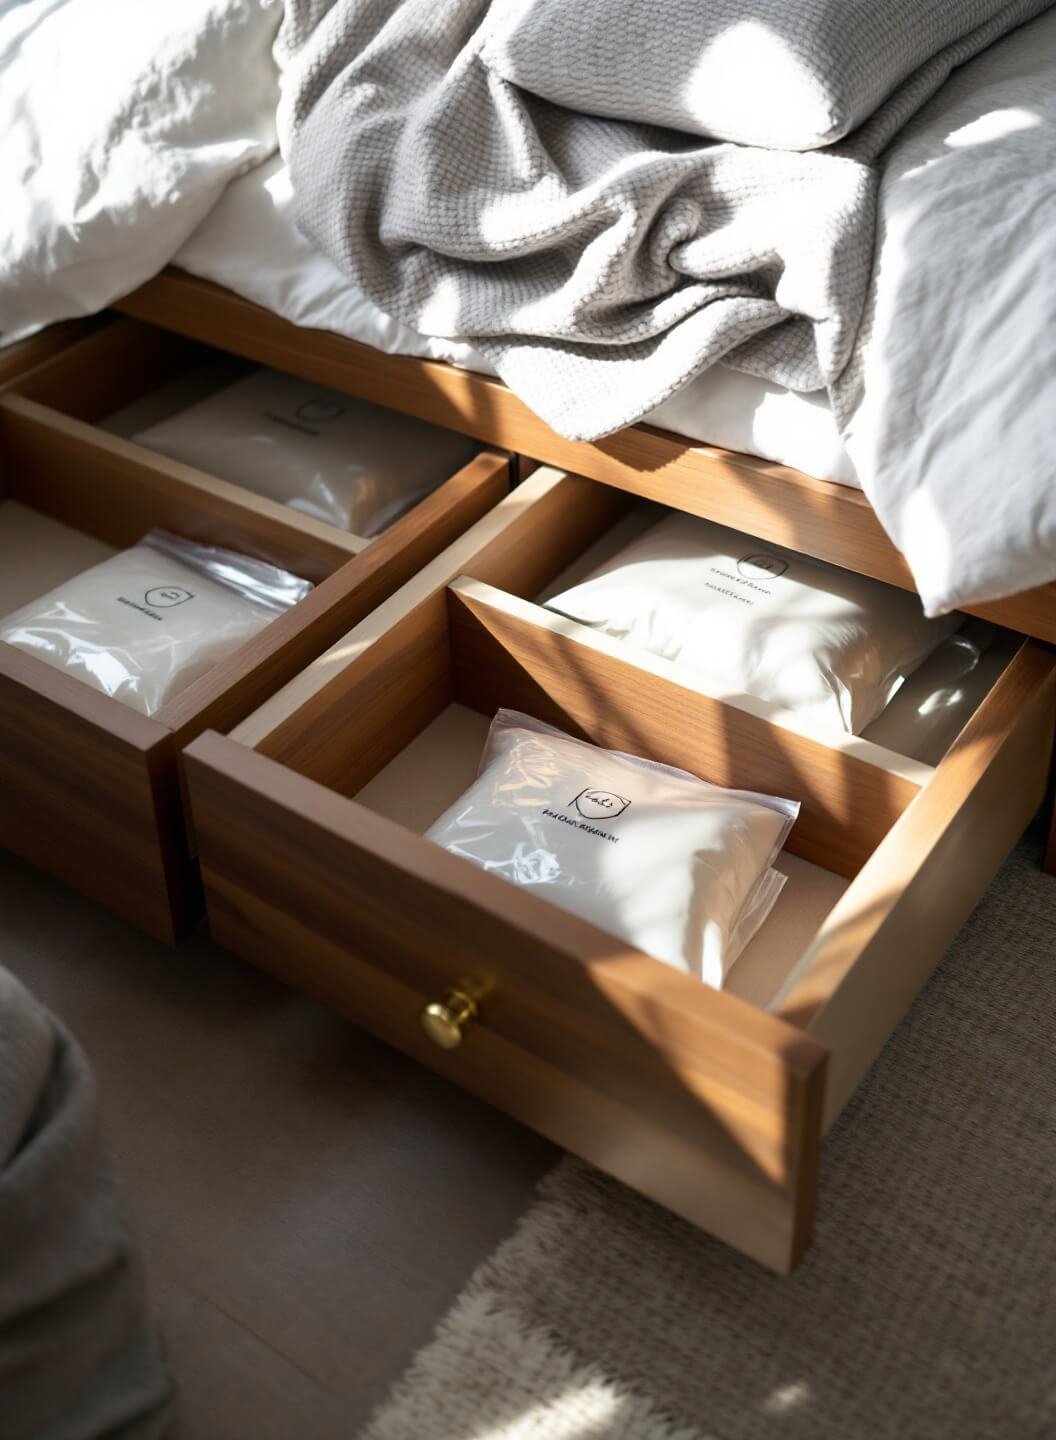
(90, 789)
(309, 820)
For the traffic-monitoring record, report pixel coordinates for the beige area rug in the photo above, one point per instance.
(925, 1311)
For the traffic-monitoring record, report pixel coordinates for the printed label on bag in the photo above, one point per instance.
(158, 597)
(308, 415)
(600, 804)
(164, 596)
(593, 805)
(750, 570)
(761, 566)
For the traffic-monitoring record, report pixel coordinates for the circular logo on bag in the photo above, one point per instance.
(761, 566)
(163, 597)
(600, 804)
(315, 412)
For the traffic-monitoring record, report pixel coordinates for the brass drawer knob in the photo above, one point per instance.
(443, 1022)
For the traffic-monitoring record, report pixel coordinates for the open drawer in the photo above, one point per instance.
(309, 819)
(90, 789)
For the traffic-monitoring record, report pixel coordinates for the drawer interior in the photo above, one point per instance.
(564, 528)
(128, 376)
(402, 728)
(423, 698)
(74, 488)
(441, 762)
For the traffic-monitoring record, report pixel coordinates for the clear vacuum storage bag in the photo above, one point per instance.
(756, 619)
(341, 460)
(149, 621)
(675, 867)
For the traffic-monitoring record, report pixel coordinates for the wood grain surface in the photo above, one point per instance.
(895, 922)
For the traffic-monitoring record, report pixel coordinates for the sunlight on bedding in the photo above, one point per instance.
(997, 125)
(749, 51)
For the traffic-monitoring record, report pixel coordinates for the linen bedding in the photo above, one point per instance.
(601, 264)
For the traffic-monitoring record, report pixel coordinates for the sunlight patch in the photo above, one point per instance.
(997, 125)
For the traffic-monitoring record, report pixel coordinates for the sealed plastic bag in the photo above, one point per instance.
(149, 621)
(755, 619)
(341, 460)
(676, 867)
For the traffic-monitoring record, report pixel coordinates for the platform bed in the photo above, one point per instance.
(310, 763)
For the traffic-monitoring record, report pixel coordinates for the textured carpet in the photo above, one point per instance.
(925, 1310)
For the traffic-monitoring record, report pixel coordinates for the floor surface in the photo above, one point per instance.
(308, 1202)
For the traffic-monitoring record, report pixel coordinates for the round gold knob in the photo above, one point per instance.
(443, 1022)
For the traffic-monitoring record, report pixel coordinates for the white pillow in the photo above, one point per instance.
(676, 867)
(151, 620)
(338, 459)
(757, 619)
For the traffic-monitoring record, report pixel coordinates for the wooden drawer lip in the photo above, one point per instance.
(686, 1059)
(20, 670)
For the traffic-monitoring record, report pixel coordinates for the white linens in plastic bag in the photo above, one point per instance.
(151, 620)
(338, 459)
(676, 867)
(756, 619)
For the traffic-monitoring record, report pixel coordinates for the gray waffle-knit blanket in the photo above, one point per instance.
(598, 263)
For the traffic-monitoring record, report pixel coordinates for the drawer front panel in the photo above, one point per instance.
(92, 796)
(690, 1095)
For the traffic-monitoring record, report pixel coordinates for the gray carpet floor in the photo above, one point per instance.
(308, 1202)
(926, 1309)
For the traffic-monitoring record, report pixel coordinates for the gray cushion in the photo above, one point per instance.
(784, 74)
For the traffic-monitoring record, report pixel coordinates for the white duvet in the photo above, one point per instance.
(954, 432)
(121, 121)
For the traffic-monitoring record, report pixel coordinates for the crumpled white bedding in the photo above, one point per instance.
(956, 377)
(122, 121)
(250, 244)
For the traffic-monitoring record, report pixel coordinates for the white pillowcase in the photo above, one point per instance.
(757, 619)
(151, 620)
(676, 867)
(338, 459)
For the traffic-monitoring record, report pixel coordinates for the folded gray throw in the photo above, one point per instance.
(599, 264)
(78, 1359)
